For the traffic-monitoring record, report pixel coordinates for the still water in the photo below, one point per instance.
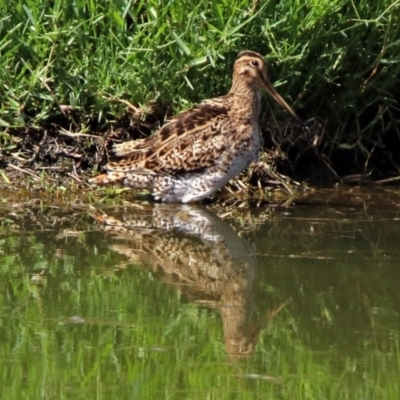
(152, 301)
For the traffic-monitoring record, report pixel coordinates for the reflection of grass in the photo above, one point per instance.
(78, 320)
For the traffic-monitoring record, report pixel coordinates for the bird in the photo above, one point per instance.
(199, 150)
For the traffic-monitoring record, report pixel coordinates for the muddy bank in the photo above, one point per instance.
(65, 153)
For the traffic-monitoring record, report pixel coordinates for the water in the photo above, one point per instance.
(152, 301)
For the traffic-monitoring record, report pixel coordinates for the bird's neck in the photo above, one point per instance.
(248, 97)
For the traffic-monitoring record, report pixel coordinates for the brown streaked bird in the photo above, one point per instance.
(199, 150)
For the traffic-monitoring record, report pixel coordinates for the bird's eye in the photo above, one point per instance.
(254, 63)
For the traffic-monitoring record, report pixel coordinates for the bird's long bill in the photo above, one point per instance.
(279, 99)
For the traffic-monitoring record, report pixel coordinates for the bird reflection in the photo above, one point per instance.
(192, 249)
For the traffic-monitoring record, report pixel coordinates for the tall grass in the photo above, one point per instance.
(337, 60)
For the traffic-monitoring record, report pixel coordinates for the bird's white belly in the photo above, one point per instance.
(196, 187)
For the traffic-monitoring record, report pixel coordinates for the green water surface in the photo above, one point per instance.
(180, 302)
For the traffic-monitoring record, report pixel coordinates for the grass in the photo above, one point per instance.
(338, 62)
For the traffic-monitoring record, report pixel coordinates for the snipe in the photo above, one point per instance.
(198, 151)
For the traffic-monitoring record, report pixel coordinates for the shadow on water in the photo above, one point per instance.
(143, 300)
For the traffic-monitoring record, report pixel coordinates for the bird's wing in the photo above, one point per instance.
(190, 142)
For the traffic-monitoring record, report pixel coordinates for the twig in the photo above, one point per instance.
(388, 180)
(25, 171)
(75, 177)
(131, 106)
(50, 168)
(63, 131)
(330, 168)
